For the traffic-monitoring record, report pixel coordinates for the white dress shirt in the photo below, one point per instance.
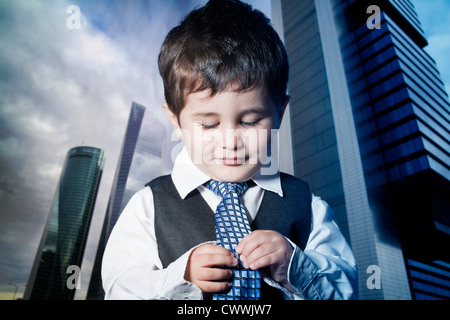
(131, 267)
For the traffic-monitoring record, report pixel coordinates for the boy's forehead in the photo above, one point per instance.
(203, 96)
(250, 98)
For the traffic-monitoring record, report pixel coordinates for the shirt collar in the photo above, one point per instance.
(269, 182)
(187, 177)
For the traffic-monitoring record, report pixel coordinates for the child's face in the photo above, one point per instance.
(228, 135)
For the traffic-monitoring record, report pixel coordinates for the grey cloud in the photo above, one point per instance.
(59, 87)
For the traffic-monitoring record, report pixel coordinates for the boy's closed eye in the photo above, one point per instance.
(244, 124)
(208, 126)
(250, 124)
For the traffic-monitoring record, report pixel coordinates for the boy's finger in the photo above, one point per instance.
(216, 260)
(213, 249)
(215, 274)
(261, 262)
(254, 259)
(250, 242)
(213, 287)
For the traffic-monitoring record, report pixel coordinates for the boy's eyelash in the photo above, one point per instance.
(244, 124)
(250, 124)
(209, 126)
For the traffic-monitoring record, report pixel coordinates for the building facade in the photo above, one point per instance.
(64, 238)
(370, 121)
(140, 161)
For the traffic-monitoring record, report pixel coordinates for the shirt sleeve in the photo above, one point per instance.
(131, 268)
(326, 269)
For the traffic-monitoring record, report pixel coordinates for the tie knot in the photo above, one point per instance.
(224, 188)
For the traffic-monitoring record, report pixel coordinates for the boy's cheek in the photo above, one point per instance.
(207, 147)
(264, 146)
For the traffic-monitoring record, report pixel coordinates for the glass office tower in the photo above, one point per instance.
(140, 161)
(370, 121)
(66, 231)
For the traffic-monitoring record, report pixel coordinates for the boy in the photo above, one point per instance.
(225, 74)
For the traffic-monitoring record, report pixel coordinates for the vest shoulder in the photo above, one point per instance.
(290, 179)
(159, 180)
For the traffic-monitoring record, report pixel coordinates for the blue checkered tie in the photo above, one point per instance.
(231, 226)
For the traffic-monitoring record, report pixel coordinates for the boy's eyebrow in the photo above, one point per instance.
(213, 114)
(255, 110)
(204, 114)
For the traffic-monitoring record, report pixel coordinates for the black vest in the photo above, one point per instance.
(181, 224)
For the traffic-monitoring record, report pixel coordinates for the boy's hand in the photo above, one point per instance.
(205, 268)
(266, 249)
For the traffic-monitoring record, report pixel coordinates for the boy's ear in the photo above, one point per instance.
(282, 109)
(173, 120)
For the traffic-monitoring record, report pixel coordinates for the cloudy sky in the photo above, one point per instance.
(62, 87)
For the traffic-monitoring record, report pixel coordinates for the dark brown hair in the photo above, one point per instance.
(224, 43)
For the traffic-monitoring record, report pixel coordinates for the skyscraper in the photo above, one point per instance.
(66, 230)
(141, 160)
(370, 119)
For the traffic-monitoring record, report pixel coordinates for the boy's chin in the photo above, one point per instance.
(235, 173)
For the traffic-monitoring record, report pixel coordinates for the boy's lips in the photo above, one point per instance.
(233, 161)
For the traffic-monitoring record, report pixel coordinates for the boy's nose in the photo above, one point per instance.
(233, 140)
